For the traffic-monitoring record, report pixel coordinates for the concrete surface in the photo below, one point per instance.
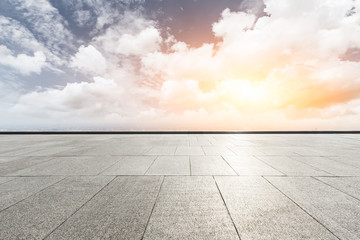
(227, 186)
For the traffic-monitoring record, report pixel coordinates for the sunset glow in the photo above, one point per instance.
(264, 65)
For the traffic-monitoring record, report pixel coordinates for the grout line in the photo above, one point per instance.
(152, 209)
(33, 194)
(299, 160)
(228, 147)
(340, 190)
(151, 165)
(227, 209)
(203, 150)
(256, 157)
(229, 165)
(100, 173)
(80, 207)
(311, 166)
(175, 150)
(11, 179)
(190, 165)
(301, 207)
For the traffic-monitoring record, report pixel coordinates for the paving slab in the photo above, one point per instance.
(6, 179)
(210, 165)
(50, 151)
(189, 151)
(330, 165)
(120, 211)
(170, 165)
(249, 165)
(351, 159)
(246, 150)
(217, 150)
(260, 211)
(349, 185)
(168, 150)
(76, 165)
(20, 163)
(118, 150)
(23, 151)
(190, 208)
(336, 210)
(130, 165)
(5, 159)
(202, 142)
(20, 188)
(277, 151)
(38, 215)
(291, 167)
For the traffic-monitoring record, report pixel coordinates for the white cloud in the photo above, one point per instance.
(16, 36)
(46, 23)
(144, 42)
(133, 35)
(23, 63)
(283, 70)
(81, 99)
(89, 59)
(233, 22)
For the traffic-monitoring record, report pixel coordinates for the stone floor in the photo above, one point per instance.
(182, 186)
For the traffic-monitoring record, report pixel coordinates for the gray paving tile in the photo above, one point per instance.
(6, 179)
(292, 167)
(5, 159)
(210, 165)
(19, 151)
(217, 150)
(170, 165)
(277, 151)
(50, 151)
(130, 165)
(349, 185)
(168, 150)
(119, 211)
(260, 211)
(21, 163)
(314, 151)
(118, 150)
(329, 165)
(351, 159)
(38, 215)
(22, 187)
(81, 165)
(190, 208)
(337, 211)
(245, 150)
(190, 151)
(202, 142)
(249, 165)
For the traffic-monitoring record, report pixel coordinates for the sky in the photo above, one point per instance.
(179, 65)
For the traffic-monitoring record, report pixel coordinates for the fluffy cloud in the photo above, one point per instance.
(86, 99)
(89, 59)
(23, 63)
(146, 41)
(133, 35)
(284, 70)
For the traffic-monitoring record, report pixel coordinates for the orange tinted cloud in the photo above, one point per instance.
(281, 71)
